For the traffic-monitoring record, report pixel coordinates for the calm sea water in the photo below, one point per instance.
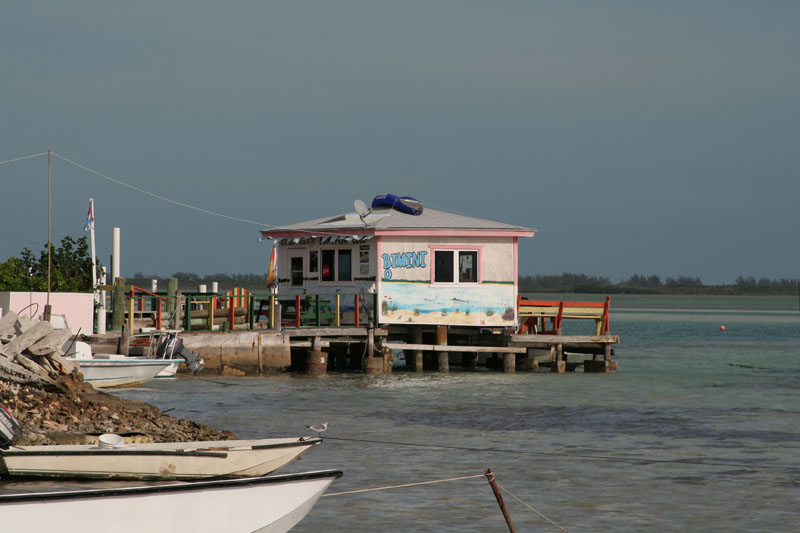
(698, 431)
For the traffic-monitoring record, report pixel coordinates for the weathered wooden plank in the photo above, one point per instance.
(452, 348)
(560, 339)
(332, 332)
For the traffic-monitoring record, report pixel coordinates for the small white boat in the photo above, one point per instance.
(105, 371)
(270, 504)
(113, 459)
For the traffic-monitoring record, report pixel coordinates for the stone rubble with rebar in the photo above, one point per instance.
(45, 392)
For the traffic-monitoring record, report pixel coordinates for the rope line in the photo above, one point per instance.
(189, 206)
(403, 485)
(529, 507)
(575, 455)
(21, 158)
(158, 196)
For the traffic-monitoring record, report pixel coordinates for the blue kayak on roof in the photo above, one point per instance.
(404, 204)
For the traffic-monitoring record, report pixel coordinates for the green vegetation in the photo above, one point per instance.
(70, 269)
(637, 284)
(559, 283)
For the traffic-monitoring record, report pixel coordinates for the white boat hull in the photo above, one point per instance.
(271, 504)
(171, 369)
(155, 461)
(120, 371)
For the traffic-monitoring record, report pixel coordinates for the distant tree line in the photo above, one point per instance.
(567, 282)
(71, 271)
(639, 284)
(189, 281)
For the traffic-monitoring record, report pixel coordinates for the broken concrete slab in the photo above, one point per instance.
(30, 366)
(27, 338)
(51, 343)
(7, 324)
(23, 323)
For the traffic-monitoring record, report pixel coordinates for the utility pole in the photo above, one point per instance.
(47, 308)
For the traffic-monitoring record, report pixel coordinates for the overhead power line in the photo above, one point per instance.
(158, 196)
(23, 157)
(143, 191)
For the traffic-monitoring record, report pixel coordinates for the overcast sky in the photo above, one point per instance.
(636, 137)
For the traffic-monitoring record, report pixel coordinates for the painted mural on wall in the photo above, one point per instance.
(488, 304)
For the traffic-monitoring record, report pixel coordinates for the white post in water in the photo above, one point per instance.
(115, 260)
(214, 287)
(202, 289)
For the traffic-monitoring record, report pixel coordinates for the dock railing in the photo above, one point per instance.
(535, 314)
(156, 303)
(241, 309)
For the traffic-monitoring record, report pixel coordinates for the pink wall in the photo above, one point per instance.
(77, 306)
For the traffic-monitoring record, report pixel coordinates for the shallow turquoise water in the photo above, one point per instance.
(698, 431)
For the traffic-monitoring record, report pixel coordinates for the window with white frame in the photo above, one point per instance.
(455, 266)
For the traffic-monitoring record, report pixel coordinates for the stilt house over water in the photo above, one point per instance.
(427, 267)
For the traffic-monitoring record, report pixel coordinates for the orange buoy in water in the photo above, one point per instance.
(722, 328)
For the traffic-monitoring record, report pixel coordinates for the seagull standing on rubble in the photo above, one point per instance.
(319, 428)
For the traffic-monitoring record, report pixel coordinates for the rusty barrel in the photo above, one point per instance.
(317, 362)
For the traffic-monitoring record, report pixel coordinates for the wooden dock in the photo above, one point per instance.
(313, 333)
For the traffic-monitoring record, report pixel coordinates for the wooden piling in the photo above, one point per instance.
(118, 309)
(416, 356)
(373, 365)
(603, 367)
(177, 311)
(276, 314)
(172, 293)
(125, 340)
(499, 498)
(317, 360)
(443, 357)
(509, 362)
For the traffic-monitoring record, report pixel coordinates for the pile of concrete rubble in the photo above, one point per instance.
(45, 392)
(33, 351)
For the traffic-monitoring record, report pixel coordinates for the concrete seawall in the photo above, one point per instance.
(241, 352)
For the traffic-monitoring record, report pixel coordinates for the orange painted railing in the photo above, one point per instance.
(158, 303)
(534, 315)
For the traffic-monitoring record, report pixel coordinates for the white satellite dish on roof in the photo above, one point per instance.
(362, 209)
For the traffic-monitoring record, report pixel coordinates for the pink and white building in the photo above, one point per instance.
(435, 268)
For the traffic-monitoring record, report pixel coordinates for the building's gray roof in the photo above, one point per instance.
(390, 219)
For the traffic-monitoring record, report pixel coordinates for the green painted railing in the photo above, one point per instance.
(209, 311)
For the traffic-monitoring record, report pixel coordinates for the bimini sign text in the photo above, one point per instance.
(402, 260)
